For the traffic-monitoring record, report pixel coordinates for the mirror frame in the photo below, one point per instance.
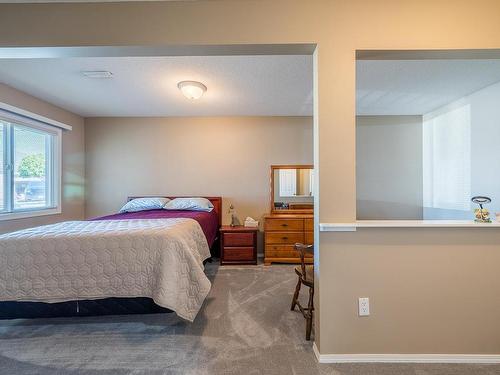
(271, 186)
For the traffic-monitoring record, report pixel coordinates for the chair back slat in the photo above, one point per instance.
(303, 249)
(308, 311)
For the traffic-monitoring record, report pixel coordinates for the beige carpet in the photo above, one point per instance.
(245, 327)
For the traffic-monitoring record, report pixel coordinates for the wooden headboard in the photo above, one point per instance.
(216, 201)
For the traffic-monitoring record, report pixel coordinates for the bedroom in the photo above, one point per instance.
(138, 119)
(110, 129)
(429, 287)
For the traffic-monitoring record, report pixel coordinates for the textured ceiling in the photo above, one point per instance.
(147, 86)
(240, 85)
(415, 87)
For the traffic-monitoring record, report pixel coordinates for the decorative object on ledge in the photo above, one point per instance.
(482, 214)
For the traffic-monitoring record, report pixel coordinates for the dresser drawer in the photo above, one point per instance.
(283, 251)
(284, 224)
(309, 224)
(309, 238)
(284, 237)
(238, 239)
(238, 253)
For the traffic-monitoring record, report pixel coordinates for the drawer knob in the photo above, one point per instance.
(284, 238)
(284, 225)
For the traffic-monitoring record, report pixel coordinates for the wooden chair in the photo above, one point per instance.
(305, 272)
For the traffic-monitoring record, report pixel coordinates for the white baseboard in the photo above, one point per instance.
(405, 358)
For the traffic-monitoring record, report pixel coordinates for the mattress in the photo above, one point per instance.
(209, 221)
(160, 258)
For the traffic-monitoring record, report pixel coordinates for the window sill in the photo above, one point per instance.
(351, 227)
(28, 214)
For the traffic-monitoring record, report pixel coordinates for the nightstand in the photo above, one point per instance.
(238, 245)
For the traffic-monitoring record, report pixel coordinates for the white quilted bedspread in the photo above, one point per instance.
(157, 258)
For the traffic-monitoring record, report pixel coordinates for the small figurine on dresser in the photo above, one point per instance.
(482, 215)
(234, 219)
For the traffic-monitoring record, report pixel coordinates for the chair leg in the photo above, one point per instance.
(296, 295)
(310, 309)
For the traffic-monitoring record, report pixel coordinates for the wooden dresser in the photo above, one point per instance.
(281, 232)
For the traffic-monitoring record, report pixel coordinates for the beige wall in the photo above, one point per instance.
(224, 156)
(72, 159)
(339, 28)
(389, 181)
(429, 290)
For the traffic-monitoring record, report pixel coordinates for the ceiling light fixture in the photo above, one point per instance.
(192, 89)
(97, 74)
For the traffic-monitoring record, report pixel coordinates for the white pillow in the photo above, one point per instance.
(143, 204)
(192, 204)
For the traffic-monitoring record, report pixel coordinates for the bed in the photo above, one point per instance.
(137, 262)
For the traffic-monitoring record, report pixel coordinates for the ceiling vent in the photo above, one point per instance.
(97, 74)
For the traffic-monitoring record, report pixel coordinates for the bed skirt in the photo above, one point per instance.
(105, 306)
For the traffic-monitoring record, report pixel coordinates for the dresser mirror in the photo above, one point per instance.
(292, 189)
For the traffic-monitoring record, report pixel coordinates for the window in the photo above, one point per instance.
(311, 182)
(29, 168)
(288, 182)
(447, 161)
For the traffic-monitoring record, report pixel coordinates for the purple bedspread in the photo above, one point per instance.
(208, 221)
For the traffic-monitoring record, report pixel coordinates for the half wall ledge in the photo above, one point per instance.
(352, 227)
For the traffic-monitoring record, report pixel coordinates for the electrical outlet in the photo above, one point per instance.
(364, 306)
